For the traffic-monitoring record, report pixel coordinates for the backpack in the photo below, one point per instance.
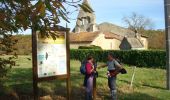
(123, 70)
(83, 68)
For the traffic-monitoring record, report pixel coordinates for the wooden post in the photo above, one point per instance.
(68, 66)
(167, 28)
(34, 64)
(133, 75)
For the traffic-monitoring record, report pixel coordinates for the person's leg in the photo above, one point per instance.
(112, 86)
(109, 82)
(85, 81)
(89, 88)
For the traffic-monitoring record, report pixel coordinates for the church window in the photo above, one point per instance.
(88, 19)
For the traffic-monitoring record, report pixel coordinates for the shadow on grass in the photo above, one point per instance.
(126, 96)
(59, 91)
(20, 81)
(156, 87)
(136, 96)
(105, 94)
(78, 92)
(18, 85)
(20, 75)
(124, 81)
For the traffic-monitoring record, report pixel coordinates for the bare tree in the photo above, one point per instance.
(136, 22)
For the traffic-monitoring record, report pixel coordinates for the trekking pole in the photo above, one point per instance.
(94, 88)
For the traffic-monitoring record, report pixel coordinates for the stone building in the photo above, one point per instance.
(106, 35)
(134, 43)
(107, 41)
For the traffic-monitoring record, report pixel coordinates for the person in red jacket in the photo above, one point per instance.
(89, 75)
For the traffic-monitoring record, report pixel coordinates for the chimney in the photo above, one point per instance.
(137, 35)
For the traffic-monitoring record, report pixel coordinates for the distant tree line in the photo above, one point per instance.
(156, 39)
(24, 44)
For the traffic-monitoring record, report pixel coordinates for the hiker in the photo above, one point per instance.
(113, 68)
(89, 75)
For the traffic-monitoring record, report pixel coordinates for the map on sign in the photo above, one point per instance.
(51, 56)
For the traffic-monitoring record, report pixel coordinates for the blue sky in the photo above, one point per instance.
(114, 10)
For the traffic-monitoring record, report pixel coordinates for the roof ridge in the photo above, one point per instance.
(114, 33)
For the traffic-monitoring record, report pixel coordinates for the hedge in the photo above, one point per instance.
(149, 58)
(90, 47)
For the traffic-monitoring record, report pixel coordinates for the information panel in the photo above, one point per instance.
(51, 56)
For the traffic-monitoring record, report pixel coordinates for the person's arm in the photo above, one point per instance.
(89, 68)
(102, 66)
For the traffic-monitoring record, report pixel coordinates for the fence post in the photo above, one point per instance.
(133, 75)
(167, 28)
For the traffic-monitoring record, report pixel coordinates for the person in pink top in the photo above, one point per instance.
(89, 75)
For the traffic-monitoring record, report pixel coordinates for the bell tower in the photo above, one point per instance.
(86, 22)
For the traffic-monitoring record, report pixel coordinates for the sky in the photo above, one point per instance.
(114, 10)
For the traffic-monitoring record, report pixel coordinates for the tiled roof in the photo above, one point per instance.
(109, 27)
(90, 36)
(134, 42)
(110, 35)
(83, 37)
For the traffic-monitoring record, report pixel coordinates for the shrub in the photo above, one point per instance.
(150, 58)
(90, 47)
(6, 47)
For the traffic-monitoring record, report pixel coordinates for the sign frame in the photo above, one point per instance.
(66, 76)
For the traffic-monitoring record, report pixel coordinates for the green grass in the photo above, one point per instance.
(149, 84)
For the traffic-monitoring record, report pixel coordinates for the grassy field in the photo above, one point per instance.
(149, 84)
